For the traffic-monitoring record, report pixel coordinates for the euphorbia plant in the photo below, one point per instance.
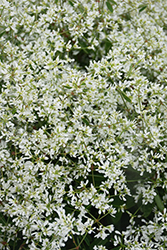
(83, 111)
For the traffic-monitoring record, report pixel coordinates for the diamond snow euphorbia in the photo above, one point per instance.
(83, 110)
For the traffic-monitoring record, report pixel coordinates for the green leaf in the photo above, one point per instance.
(124, 95)
(71, 3)
(81, 8)
(1, 34)
(113, 2)
(2, 219)
(109, 6)
(98, 242)
(129, 202)
(87, 240)
(117, 217)
(85, 90)
(85, 121)
(147, 209)
(68, 87)
(142, 7)
(117, 202)
(159, 203)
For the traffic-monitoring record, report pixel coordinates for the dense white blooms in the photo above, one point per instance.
(83, 124)
(151, 235)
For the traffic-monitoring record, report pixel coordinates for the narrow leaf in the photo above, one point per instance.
(85, 121)
(159, 203)
(1, 34)
(68, 87)
(117, 217)
(109, 6)
(142, 8)
(87, 240)
(124, 95)
(129, 202)
(147, 209)
(113, 2)
(71, 3)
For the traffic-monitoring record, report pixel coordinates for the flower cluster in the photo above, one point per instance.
(83, 124)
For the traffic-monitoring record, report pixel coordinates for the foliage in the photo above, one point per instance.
(83, 121)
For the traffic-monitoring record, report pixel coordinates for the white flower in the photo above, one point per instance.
(83, 118)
